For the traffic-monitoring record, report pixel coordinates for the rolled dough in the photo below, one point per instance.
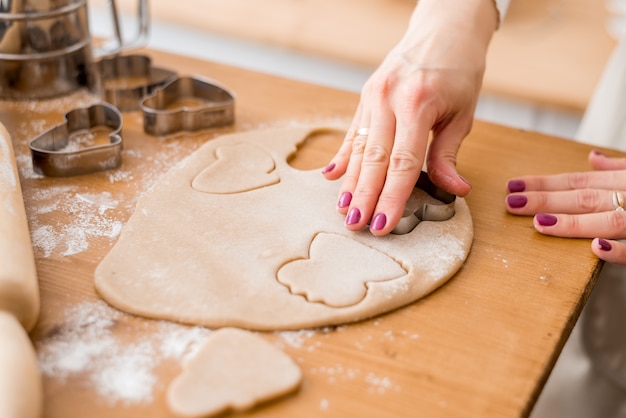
(233, 370)
(260, 245)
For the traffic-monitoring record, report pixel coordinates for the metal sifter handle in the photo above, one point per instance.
(117, 44)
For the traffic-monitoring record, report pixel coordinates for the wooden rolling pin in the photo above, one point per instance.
(21, 393)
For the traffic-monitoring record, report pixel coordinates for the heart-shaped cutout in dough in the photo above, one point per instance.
(233, 370)
(337, 271)
(238, 168)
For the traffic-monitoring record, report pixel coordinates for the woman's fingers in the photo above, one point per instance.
(372, 173)
(404, 167)
(611, 225)
(339, 163)
(567, 202)
(609, 250)
(600, 161)
(608, 180)
(578, 205)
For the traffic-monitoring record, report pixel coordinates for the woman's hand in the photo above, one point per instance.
(428, 83)
(578, 205)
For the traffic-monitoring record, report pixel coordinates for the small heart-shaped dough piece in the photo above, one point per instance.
(233, 370)
(239, 168)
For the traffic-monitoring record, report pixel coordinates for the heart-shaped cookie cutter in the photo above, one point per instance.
(124, 80)
(54, 156)
(440, 211)
(213, 106)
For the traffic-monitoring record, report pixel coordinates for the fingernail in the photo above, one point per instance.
(379, 221)
(344, 200)
(544, 219)
(516, 186)
(328, 168)
(516, 201)
(604, 244)
(600, 153)
(354, 216)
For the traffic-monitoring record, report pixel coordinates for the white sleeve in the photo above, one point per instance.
(502, 6)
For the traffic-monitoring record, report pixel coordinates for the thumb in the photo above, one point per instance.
(441, 159)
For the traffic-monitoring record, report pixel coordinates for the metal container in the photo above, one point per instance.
(46, 47)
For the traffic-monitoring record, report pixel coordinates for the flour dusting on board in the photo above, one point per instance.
(120, 372)
(90, 218)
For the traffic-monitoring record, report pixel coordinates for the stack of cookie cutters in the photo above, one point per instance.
(127, 83)
(125, 80)
(441, 210)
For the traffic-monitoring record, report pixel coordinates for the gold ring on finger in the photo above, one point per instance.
(618, 200)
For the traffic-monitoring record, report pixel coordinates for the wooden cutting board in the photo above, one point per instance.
(482, 345)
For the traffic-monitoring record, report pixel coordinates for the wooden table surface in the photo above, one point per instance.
(480, 346)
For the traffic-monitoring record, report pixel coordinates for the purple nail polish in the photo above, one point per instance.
(544, 219)
(344, 200)
(604, 244)
(600, 153)
(516, 186)
(354, 216)
(379, 221)
(516, 201)
(330, 167)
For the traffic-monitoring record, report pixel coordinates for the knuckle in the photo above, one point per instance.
(393, 201)
(403, 160)
(358, 145)
(568, 225)
(376, 154)
(617, 223)
(381, 84)
(366, 193)
(577, 181)
(588, 199)
(541, 199)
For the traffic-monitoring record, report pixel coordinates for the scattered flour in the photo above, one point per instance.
(324, 404)
(119, 371)
(295, 338)
(379, 385)
(340, 374)
(89, 219)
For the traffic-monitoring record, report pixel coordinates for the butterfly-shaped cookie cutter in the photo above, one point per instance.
(441, 211)
(213, 106)
(124, 80)
(52, 151)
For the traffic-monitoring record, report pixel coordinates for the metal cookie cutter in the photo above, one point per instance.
(125, 80)
(440, 211)
(89, 140)
(187, 104)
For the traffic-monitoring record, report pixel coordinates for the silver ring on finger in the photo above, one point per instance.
(618, 200)
(363, 132)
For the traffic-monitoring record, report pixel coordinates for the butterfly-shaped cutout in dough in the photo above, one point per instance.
(238, 168)
(337, 271)
(233, 370)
